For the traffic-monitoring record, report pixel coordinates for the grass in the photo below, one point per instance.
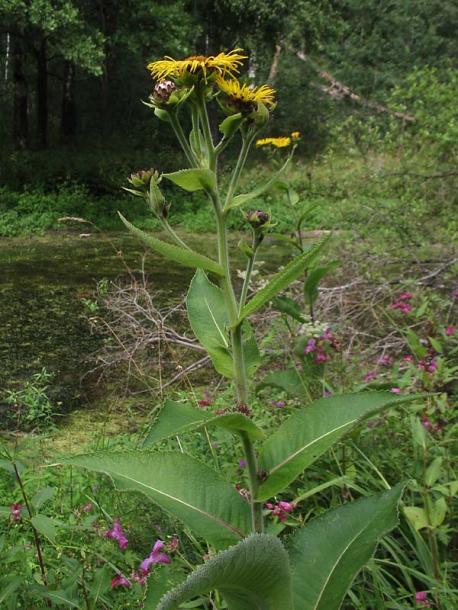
(394, 236)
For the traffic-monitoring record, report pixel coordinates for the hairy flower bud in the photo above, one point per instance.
(163, 90)
(257, 218)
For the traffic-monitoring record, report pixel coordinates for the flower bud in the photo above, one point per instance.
(142, 178)
(257, 218)
(163, 90)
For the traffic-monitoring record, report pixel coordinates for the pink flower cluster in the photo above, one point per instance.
(319, 350)
(140, 575)
(422, 599)
(402, 302)
(281, 510)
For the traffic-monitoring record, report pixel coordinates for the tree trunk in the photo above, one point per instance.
(274, 65)
(42, 96)
(68, 108)
(20, 98)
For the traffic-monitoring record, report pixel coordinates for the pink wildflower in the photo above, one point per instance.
(327, 334)
(395, 390)
(321, 356)
(281, 510)
(119, 580)
(15, 511)
(88, 507)
(405, 296)
(402, 305)
(311, 346)
(422, 599)
(118, 534)
(140, 576)
(155, 556)
(449, 330)
(426, 423)
(370, 376)
(172, 546)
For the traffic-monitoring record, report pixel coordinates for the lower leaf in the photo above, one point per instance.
(328, 552)
(253, 575)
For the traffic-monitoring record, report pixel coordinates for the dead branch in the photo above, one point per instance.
(338, 91)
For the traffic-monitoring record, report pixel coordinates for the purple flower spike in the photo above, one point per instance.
(155, 557)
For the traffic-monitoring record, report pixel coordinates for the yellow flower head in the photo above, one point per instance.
(193, 68)
(296, 135)
(277, 142)
(243, 95)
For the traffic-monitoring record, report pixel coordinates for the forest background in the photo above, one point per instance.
(354, 78)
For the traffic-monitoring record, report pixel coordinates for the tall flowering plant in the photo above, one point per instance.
(249, 568)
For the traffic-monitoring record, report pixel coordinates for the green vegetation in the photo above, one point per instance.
(297, 448)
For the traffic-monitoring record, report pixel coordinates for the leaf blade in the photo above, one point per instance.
(194, 179)
(181, 485)
(176, 417)
(283, 278)
(326, 555)
(187, 258)
(312, 430)
(253, 575)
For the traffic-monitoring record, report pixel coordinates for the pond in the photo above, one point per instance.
(43, 319)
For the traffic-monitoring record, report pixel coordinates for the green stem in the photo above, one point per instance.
(231, 303)
(248, 272)
(172, 234)
(257, 521)
(35, 533)
(183, 141)
(247, 140)
(227, 288)
(211, 155)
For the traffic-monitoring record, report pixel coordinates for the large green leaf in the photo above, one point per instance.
(176, 417)
(290, 307)
(314, 277)
(9, 586)
(100, 584)
(329, 551)
(291, 381)
(311, 431)
(42, 496)
(193, 179)
(44, 525)
(159, 584)
(181, 485)
(283, 278)
(208, 318)
(188, 258)
(207, 315)
(253, 575)
(61, 597)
